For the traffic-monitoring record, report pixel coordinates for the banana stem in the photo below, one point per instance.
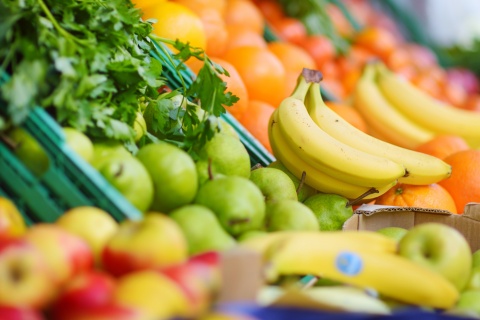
(311, 75)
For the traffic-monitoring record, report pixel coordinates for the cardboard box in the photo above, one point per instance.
(374, 217)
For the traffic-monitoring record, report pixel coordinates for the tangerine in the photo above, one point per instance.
(255, 120)
(464, 182)
(377, 40)
(443, 145)
(270, 9)
(320, 48)
(432, 196)
(245, 14)
(349, 114)
(239, 37)
(289, 29)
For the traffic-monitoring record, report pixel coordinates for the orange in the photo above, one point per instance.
(261, 71)
(255, 120)
(294, 59)
(320, 48)
(146, 3)
(289, 29)
(443, 145)
(472, 102)
(348, 113)
(335, 88)
(270, 9)
(215, 31)
(432, 196)
(199, 5)
(245, 14)
(239, 37)
(176, 21)
(340, 22)
(236, 86)
(377, 40)
(464, 183)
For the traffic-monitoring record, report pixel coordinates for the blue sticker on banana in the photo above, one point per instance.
(349, 263)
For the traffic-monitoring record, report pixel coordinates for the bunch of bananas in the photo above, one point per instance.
(400, 113)
(363, 259)
(313, 141)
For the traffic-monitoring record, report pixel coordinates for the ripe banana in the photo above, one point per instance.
(315, 241)
(326, 153)
(389, 274)
(426, 111)
(383, 117)
(422, 169)
(313, 176)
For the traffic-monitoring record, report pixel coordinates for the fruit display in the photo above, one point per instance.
(230, 159)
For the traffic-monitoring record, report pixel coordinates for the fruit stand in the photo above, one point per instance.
(235, 159)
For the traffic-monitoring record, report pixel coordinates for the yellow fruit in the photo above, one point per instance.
(11, 220)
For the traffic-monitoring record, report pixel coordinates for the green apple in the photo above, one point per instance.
(29, 151)
(476, 259)
(440, 248)
(395, 233)
(331, 210)
(305, 191)
(290, 214)
(173, 173)
(469, 302)
(139, 126)
(79, 142)
(225, 155)
(236, 201)
(274, 184)
(194, 220)
(130, 177)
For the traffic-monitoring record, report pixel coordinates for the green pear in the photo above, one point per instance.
(331, 210)
(173, 174)
(305, 191)
(474, 279)
(236, 201)
(202, 229)
(468, 302)
(105, 149)
(274, 184)
(395, 233)
(226, 154)
(139, 126)
(290, 214)
(476, 258)
(29, 151)
(79, 142)
(129, 176)
(251, 234)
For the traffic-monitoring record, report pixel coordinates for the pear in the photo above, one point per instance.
(290, 214)
(236, 201)
(130, 178)
(202, 229)
(173, 174)
(79, 142)
(305, 191)
(331, 210)
(226, 154)
(251, 234)
(104, 149)
(29, 151)
(274, 184)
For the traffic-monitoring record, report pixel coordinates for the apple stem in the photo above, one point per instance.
(9, 142)
(120, 171)
(209, 168)
(359, 198)
(302, 180)
(232, 222)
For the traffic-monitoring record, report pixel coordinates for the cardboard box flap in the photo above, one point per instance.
(370, 209)
(472, 211)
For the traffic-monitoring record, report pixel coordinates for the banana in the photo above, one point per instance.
(426, 111)
(313, 176)
(422, 169)
(354, 240)
(389, 274)
(383, 117)
(327, 154)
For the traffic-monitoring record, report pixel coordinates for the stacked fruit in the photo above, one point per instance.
(87, 266)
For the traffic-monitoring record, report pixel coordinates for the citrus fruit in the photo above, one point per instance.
(255, 120)
(146, 3)
(432, 196)
(443, 145)
(320, 48)
(349, 114)
(289, 29)
(244, 13)
(240, 37)
(261, 71)
(464, 183)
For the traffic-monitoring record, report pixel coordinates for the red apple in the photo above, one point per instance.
(24, 280)
(90, 289)
(65, 253)
(13, 313)
(105, 312)
(156, 241)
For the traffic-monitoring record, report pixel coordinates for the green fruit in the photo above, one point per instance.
(79, 142)
(305, 191)
(395, 233)
(290, 214)
(236, 201)
(202, 229)
(29, 151)
(474, 279)
(173, 174)
(331, 210)
(469, 301)
(106, 149)
(251, 234)
(226, 128)
(476, 259)
(274, 184)
(139, 126)
(130, 178)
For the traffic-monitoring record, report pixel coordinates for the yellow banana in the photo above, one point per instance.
(315, 240)
(421, 168)
(383, 117)
(426, 111)
(326, 153)
(313, 176)
(389, 274)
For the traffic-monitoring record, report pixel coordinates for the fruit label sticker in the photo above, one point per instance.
(349, 263)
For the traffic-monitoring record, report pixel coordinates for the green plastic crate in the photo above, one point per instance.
(69, 181)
